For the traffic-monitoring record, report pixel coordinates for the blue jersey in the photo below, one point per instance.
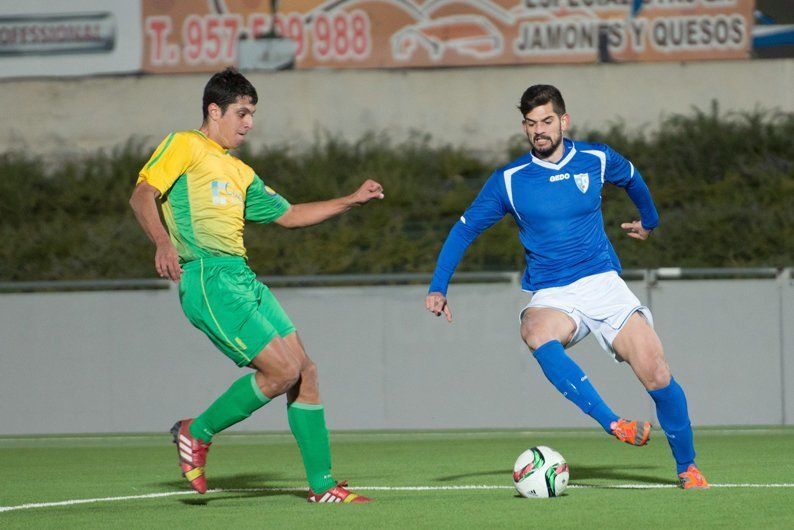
(557, 208)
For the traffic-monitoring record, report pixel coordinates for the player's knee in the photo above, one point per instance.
(309, 370)
(536, 336)
(661, 379)
(291, 375)
(309, 378)
(659, 376)
(285, 377)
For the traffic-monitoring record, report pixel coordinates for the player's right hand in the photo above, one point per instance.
(166, 261)
(436, 303)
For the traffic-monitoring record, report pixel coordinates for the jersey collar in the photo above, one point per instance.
(567, 146)
(210, 141)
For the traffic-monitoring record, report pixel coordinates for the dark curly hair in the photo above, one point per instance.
(224, 88)
(538, 95)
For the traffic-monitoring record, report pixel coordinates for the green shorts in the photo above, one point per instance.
(223, 298)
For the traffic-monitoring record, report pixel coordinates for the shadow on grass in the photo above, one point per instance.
(492, 473)
(231, 496)
(248, 481)
(623, 473)
(579, 473)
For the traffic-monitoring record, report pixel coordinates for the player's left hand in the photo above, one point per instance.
(369, 190)
(634, 229)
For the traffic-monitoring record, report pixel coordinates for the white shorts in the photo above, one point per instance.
(600, 304)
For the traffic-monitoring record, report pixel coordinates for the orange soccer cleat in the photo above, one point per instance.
(338, 493)
(692, 479)
(626, 431)
(192, 454)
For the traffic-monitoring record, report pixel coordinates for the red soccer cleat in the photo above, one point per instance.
(626, 431)
(338, 493)
(192, 454)
(692, 479)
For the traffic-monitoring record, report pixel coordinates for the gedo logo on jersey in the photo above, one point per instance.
(561, 176)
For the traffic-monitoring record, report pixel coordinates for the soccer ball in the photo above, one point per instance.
(540, 472)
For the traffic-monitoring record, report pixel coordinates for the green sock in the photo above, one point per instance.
(308, 427)
(234, 405)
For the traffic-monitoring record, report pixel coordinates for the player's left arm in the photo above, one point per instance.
(264, 205)
(621, 172)
(312, 213)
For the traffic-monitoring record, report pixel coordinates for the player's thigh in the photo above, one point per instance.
(274, 313)
(540, 325)
(270, 309)
(282, 350)
(220, 302)
(638, 344)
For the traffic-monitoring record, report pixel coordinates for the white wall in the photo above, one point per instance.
(465, 106)
(130, 361)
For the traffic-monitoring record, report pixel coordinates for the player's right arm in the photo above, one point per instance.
(484, 212)
(168, 162)
(144, 204)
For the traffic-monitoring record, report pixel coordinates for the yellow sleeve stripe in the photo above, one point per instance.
(154, 160)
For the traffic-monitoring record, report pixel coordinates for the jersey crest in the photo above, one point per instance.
(582, 181)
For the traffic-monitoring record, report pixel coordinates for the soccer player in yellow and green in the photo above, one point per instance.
(207, 195)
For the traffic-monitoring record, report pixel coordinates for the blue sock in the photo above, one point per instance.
(571, 381)
(673, 417)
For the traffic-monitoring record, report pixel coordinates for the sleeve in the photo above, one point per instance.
(262, 203)
(168, 162)
(621, 172)
(486, 210)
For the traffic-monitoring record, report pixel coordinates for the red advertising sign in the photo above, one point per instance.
(192, 36)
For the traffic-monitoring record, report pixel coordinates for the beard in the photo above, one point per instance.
(547, 151)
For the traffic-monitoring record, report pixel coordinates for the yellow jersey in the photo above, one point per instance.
(207, 195)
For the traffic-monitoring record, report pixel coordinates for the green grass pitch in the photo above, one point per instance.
(417, 478)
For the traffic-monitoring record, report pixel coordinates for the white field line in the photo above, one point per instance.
(73, 502)
(363, 434)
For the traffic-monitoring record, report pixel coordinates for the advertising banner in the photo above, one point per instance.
(204, 36)
(59, 38)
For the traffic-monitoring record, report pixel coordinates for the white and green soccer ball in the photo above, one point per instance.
(540, 473)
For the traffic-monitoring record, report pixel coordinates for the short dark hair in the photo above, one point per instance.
(538, 95)
(224, 88)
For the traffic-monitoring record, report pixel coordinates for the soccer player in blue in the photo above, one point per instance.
(554, 194)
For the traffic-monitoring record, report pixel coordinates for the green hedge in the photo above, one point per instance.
(723, 184)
